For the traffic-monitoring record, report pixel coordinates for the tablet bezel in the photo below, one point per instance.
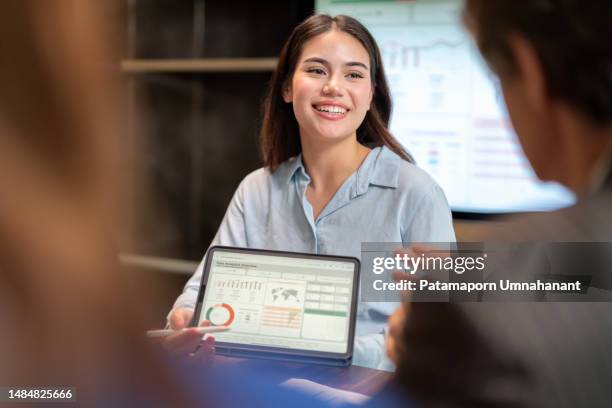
(289, 354)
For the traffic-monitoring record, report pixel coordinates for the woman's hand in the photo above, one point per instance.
(188, 343)
(180, 318)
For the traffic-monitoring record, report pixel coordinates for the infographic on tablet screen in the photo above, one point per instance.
(279, 301)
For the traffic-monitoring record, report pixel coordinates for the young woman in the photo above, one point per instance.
(333, 175)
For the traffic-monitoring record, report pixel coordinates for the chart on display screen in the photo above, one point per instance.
(447, 111)
(278, 301)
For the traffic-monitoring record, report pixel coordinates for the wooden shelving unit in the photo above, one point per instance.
(196, 65)
(167, 265)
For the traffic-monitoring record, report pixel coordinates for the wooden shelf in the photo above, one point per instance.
(136, 66)
(169, 265)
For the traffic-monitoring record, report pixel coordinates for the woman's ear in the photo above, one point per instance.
(287, 93)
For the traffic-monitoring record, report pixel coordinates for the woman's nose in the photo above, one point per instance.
(331, 88)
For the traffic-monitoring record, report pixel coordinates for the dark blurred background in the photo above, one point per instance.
(199, 127)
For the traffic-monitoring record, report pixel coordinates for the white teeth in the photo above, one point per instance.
(331, 109)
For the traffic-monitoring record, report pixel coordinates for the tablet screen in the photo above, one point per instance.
(280, 301)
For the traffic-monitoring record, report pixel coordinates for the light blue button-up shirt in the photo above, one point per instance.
(386, 200)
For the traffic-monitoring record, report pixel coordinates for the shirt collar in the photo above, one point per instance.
(380, 168)
(291, 167)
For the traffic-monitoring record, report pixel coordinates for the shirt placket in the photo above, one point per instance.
(301, 183)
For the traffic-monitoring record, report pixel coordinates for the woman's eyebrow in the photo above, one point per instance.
(323, 61)
(357, 64)
(318, 61)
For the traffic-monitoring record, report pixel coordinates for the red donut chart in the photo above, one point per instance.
(221, 314)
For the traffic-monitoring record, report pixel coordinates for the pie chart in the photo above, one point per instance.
(221, 314)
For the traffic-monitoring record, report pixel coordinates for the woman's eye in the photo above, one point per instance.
(355, 75)
(317, 71)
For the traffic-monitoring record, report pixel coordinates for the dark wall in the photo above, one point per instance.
(198, 131)
(215, 29)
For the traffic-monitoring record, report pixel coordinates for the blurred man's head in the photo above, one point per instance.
(554, 61)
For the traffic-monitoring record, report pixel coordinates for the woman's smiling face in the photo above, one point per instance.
(331, 88)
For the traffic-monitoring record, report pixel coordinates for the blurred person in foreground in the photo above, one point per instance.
(554, 62)
(66, 315)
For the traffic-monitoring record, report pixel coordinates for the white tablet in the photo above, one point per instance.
(281, 305)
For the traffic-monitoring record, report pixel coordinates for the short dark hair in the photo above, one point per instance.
(571, 38)
(279, 135)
